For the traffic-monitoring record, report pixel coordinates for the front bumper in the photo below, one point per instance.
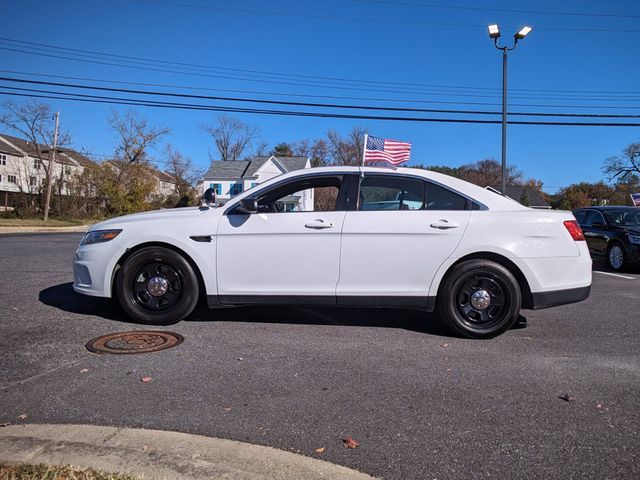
(93, 266)
(559, 297)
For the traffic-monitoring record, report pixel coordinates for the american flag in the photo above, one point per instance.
(635, 198)
(381, 149)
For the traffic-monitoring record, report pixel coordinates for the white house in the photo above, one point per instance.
(229, 178)
(22, 171)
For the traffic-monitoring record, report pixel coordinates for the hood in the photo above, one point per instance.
(159, 216)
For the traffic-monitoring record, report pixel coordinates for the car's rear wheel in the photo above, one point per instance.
(157, 286)
(615, 257)
(479, 299)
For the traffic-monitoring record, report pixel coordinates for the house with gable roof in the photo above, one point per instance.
(229, 178)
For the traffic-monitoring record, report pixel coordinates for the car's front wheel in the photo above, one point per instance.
(157, 286)
(479, 299)
(615, 257)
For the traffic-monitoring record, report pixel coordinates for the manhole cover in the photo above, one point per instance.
(141, 341)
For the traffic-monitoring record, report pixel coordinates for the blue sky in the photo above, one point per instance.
(580, 63)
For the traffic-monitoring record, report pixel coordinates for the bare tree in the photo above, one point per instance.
(185, 173)
(33, 121)
(261, 150)
(317, 151)
(621, 167)
(135, 137)
(231, 136)
(347, 151)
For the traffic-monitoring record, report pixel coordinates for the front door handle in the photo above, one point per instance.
(444, 225)
(319, 224)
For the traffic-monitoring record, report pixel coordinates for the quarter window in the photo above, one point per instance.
(440, 198)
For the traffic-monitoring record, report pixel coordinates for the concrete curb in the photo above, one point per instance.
(75, 228)
(157, 454)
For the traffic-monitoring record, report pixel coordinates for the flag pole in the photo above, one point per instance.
(364, 153)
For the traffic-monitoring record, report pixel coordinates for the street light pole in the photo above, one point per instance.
(494, 33)
(503, 190)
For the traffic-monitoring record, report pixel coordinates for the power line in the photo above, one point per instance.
(340, 87)
(370, 20)
(218, 108)
(502, 10)
(306, 104)
(334, 97)
(314, 77)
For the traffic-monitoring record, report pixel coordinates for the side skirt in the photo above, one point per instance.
(423, 303)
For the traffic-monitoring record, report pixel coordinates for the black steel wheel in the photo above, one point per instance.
(157, 286)
(479, 299)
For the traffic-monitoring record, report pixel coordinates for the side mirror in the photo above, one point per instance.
(209, 198)
(247, 206)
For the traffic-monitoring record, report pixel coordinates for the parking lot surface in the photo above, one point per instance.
(421, 403)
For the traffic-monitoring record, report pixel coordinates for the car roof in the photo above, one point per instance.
(604, 208)
(482, 195)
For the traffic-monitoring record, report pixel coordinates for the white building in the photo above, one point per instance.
(229, 178)
(21, 171)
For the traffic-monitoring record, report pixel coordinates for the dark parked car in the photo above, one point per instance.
(612, 234)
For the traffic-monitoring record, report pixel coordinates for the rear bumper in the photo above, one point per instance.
(559, 297)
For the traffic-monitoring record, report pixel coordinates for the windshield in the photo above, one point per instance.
(623, 218)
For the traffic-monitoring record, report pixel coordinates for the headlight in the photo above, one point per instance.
(99, 236)
(635, 239)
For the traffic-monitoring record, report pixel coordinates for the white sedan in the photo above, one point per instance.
(349, 236)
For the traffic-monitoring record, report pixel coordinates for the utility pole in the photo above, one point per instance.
(52, 160)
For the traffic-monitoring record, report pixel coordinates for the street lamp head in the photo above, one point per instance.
(524, 31)
(494, 31)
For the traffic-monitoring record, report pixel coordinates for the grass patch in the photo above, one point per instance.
(32, 222)
(47, 472)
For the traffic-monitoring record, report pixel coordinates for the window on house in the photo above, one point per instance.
(3, 159)
(67, 170)
(12, 179)
(0, 178)
(32, 181)
(36, 164)
(217, 187)
(236, 188)
(253, 184)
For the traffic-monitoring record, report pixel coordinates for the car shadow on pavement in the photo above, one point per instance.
(65, 298)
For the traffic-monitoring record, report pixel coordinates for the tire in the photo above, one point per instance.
(616, 258)
(157, 286)
(493, 286)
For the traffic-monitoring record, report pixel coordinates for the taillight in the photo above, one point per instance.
(574, 230)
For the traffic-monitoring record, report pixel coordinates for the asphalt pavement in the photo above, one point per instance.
(421, 404)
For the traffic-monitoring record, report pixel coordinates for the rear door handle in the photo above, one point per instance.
(444, 225)
(319, 224)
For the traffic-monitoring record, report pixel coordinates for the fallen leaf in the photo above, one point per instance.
(444, 345)
(23, 416)
(227, 409)
(84, 370)
(350, 442)
(320, 450)
(14, 308)
(567, 397)
(598, 405)
(240, 359)
(146, 379)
